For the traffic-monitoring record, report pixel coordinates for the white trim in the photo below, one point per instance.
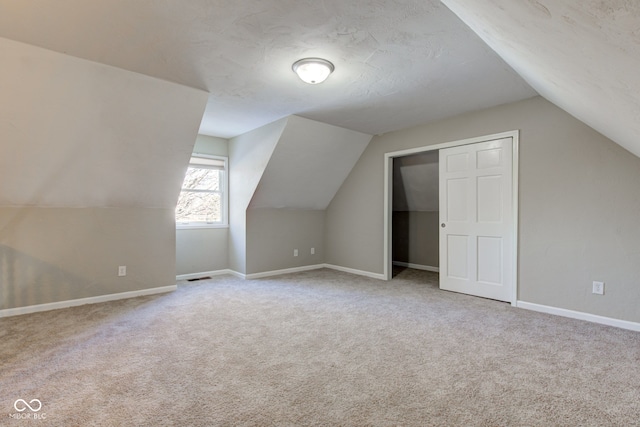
(354, 271)
(203, 274)
(237, 274)
(416, 266)
(516, 206)
(209, 156)
(82, 301)
(284, 271)
(304, 268)
(225, 196)
(416, 150)
(624, 324)
(388, 194)
(199, 225)
(388, 215)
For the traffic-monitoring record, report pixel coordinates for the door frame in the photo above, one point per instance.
(388, 197)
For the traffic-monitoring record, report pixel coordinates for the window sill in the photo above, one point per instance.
(199, 226)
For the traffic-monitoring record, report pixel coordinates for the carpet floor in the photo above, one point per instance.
(319, 348)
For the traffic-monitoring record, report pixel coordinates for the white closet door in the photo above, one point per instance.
(476, 219)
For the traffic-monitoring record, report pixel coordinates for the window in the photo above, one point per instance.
(203, 198)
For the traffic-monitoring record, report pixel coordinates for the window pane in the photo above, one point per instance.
(199, 207)
(202, 179)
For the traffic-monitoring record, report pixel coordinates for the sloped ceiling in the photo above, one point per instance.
(415, 183)
(74, 133)
(309, 164)
(249, 155)
(398, 63)
(582, 55)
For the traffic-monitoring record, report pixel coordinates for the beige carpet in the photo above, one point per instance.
(317, 348)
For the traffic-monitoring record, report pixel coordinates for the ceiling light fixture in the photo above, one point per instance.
(313, 70)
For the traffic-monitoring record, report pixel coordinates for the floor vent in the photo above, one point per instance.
(199, 278)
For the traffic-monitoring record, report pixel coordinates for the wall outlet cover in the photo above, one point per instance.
(598, 288)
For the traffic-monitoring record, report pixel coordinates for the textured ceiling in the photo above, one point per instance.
(303, 171)
(582, 55)
(61, 148)
(398, 62)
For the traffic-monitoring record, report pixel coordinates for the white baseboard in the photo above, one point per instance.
(237, 274)
(284, 271)
(624, 324)
(354, 271)
(82, 301)
(203, 274)
(416, 266)
(211, 274)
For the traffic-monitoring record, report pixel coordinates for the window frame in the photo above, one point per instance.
(224, 199)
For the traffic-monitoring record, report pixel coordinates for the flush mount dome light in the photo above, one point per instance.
(313, 70)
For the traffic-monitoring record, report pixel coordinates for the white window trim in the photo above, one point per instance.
(225, 199)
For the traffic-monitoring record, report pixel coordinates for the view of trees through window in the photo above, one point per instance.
(201, 196)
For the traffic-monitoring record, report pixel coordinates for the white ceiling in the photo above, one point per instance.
(303, 171)
(398, 62)
(75, 133)
(582, 55)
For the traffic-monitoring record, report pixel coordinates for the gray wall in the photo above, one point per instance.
(211, 145)
(91, 162)
(58, 254)
(201, 250)
(579, 207)
(249, 155)
(416, 238)
(415, 231)
(273, 234)
(282, 177)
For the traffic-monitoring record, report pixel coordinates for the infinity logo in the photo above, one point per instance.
(24, 405)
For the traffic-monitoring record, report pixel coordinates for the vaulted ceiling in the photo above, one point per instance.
(582, 55)
(398, 62)
(303, 171)
(75, 133)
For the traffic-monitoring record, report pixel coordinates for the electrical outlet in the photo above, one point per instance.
(313, 251)
(122, 270)
(295, 252)
(598, 288)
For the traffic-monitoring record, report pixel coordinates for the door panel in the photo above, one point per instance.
(457, 259)
(490, 198)
(490, 260)
(458, 162)
(489, 158)
(476, 215)
(458, 200)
